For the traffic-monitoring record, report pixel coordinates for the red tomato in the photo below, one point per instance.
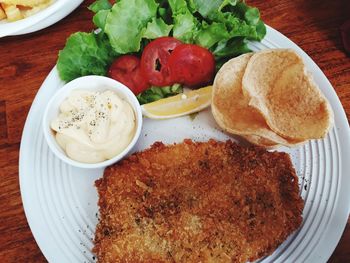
(126, 69)
(192, 65)
(154, 60)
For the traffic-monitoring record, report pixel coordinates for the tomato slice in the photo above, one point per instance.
(126, 69)
(192, 65)
(154, 60)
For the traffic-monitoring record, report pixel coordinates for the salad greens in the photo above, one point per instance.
(101, 8)
(157, 93)
(85, 54)
(126, 22)
(100, 5)
(156, 28)
(222, 26)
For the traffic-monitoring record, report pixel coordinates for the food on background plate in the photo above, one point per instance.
(2, 13)
(179, 105)
(13, 10)
(190, 202)
(10, 12)
(218, 29)
(246, 95)
(94, 126)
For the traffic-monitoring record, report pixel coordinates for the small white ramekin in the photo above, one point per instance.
(92, 83)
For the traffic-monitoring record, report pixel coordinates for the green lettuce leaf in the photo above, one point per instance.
(164, 11)
(85, 54)
(239, 28)
(101, 9)
(191, 5)
(157, 93)
(209, 35)
(156, 28)
(100, 18)
(225, 20)
(252, 16)
(231, 48)
(185, 27)
(205, 7)
(185, 24)
(228, 3)
(126, 22)
(100, 5)
(260, 30)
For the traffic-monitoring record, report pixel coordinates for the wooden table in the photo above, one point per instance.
(25, 61)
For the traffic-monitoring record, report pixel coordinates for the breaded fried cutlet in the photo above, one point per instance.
(197, 202)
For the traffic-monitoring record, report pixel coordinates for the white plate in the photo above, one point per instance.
(45, 18)
(60, 201)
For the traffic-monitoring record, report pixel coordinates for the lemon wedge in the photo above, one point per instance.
(179, 105)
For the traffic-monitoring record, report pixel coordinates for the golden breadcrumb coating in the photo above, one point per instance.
(197, 202)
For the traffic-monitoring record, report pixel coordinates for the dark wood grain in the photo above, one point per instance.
(26, 60)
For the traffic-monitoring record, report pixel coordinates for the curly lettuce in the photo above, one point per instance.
(222, 26)
(156, 93)
(126, 21)
(85, 54)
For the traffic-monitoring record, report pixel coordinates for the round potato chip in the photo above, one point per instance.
(230, 107)
(290, 101)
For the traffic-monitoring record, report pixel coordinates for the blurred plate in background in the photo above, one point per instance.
(44, 18)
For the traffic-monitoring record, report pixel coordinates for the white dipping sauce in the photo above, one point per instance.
(94, 126)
